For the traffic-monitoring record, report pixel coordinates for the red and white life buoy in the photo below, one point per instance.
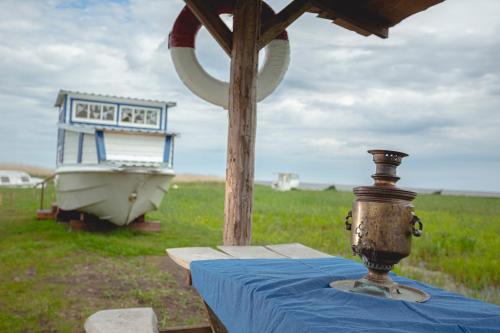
(182, 49)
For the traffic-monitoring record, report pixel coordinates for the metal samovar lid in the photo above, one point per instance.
(385, 179)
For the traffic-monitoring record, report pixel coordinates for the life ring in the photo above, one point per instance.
(182, 50)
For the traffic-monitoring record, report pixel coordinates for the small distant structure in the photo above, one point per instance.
(286, 181)
(19, 179)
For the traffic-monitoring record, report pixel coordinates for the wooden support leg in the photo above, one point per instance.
(187, 329)
(242, 123)
(215, 323)
(41, 195)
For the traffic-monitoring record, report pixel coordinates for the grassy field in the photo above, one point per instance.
(51, 279)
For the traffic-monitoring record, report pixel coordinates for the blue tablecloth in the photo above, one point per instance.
(291, 295)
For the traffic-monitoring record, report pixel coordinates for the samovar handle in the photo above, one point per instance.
(416, 220)
(348, 225)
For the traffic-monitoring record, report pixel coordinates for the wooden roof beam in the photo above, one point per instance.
(209, 18)
(276, 24)
(352, 17)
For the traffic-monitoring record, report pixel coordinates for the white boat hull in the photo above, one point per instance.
(119, 195)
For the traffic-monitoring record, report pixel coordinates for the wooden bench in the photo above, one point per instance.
(183, 257)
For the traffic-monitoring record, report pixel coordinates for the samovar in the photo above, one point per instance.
(383, 222)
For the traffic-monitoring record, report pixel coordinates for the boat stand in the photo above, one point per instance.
(141, 224)
(88, 222)
(47, 214)
(42, 213)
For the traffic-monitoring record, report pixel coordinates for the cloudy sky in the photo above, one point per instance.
(432, 90)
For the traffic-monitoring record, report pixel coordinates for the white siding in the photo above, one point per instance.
(134, 147)
(70, 147)
(89, 151)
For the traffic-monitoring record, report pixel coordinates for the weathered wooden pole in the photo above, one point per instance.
(41, 195)
(242, 123)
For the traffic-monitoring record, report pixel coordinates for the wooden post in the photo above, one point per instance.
(41, 195)
(242, 123)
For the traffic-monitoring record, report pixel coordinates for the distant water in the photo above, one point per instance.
(348, 188)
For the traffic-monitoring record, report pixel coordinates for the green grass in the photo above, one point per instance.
(51, 279)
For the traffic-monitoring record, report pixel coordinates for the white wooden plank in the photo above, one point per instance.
(250, 252)
(134, 147)
(70, 147)
(297, 251)
(89, 151)
(183, 256)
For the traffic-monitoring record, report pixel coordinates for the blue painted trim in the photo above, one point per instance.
(146, 129)
(141, 106)
(118, 115)
(72, 100)
(125, 104)
(91, 101)
(61, 113)
(168, 147)
(135, 126)
(80, 148)
(161, 119)
(65, 107)
(60, 132)
(63, 139)
(70, 111)
(165, 121)
(101, 149)
(171, 162)
(59, 149)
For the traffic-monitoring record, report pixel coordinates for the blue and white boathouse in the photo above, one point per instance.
(114, 154)
(97, 128)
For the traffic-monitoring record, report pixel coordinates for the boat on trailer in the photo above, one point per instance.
(114, 155)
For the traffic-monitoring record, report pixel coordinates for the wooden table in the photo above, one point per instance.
(183, 257)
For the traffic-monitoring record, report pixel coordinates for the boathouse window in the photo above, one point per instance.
(95, 112)
(152, 117)
(127, 115)
(82, 111)
(108, 113)
(140, 116)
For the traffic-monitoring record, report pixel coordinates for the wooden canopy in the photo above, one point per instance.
(365, 17)
(368, 17)
(251, 32)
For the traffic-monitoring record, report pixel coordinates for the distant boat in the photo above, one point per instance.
(114, 155)
(12, 178)
(286, 181)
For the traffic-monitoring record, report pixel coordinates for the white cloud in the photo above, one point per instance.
(432, 89)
